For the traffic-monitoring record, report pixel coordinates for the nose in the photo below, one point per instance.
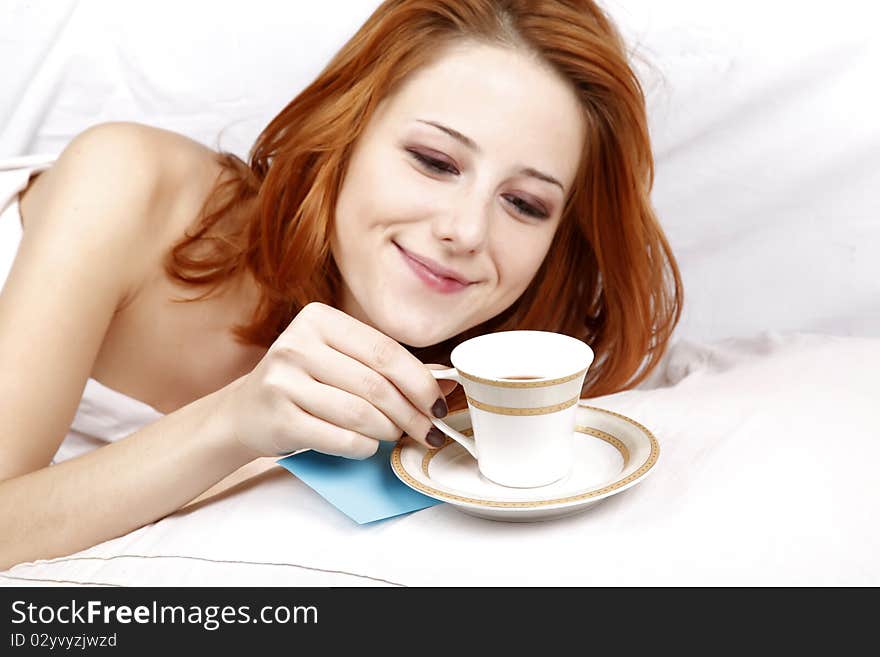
(464, 227)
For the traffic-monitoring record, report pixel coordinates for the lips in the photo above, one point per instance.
(429, 276)
(435, 268)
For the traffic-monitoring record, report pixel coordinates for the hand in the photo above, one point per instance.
(333, 384)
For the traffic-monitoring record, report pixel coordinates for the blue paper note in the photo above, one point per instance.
(365, 490)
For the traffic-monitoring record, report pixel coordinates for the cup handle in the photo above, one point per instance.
(465, 441)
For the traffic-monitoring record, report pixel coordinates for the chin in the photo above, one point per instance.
(416, 338)
(415, 331)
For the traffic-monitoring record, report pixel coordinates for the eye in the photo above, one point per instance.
(525, 208)
(438, 166)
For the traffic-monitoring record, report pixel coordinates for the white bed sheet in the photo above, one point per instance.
(767, 476)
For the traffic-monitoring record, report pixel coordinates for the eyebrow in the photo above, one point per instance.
(470, 143)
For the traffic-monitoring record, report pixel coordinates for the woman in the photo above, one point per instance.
(460, 167)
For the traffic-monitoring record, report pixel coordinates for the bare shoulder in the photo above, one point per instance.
(141, 170)
(117, 197)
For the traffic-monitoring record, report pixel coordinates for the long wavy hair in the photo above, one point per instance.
(609, 277)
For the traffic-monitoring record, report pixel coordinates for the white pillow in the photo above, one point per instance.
(764, 120)
(188, 67)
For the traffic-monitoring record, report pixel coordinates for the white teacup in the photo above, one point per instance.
(522, 390)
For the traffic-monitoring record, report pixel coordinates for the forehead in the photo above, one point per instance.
(509, 103)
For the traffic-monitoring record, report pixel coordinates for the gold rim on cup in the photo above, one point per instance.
(522, 384)
(540, 410)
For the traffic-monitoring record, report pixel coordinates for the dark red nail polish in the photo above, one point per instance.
(435, 437)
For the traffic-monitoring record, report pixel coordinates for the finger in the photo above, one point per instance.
(381, 354)
(339, 371)
(344, 409)
(328, 438)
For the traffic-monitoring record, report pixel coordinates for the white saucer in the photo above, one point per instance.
(612, 453)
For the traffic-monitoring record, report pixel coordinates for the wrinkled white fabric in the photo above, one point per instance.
(767, 476)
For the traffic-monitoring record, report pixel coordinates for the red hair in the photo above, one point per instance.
(609, 277)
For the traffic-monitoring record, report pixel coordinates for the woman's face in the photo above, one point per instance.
(465, 168)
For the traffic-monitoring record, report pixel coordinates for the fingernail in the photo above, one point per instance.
(439, 409)
(435, 437)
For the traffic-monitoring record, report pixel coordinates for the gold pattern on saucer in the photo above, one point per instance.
(401, 472)
(432, 453)
(615, 442)
(596, 433)
(521, 384)
(540, 410)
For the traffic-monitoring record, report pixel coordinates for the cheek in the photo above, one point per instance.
(382, 193)
(520, 261)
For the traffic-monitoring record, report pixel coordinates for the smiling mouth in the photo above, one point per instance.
(434, 281)
(434, 268)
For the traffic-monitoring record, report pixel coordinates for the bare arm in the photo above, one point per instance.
(88, 244)
(117, 488)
